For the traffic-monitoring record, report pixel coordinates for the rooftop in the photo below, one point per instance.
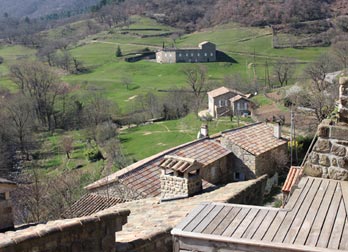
(256, 138)
(89, 204)
(144, 176)
(149, 217)
(7, 182)
(314, 219)
(223, 90)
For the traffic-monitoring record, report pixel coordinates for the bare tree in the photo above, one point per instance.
(67, 145)
(340, 49)
(40, 83)
(283, 70)
(20, 122)
(126, 81)
(196, 79)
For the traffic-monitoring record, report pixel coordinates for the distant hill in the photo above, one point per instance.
(39, 8)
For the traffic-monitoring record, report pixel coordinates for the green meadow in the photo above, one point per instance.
(250, 49)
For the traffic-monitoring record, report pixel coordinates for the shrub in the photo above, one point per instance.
(118, 52)
(1, 60)
(93, 154)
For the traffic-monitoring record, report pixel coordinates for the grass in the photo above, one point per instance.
(262, 100)
(160, 136)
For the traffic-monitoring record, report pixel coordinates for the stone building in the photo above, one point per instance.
(256, 148)
(206, 52)
(225, 101)
(6, 214)
(329, 158)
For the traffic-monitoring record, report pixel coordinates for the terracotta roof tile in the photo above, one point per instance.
(256, 138)
(89, 204)
(223, 90)
(292, 178)
(145, 177)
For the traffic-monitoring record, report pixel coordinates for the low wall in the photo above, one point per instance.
(163, 241)
(87, 234)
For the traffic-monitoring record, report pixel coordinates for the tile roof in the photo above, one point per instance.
(89, 204)
(292, 178)
(238, 97)
(256, 138)
(5, 181)
(314, 219)
(144, 176)
(223, 90)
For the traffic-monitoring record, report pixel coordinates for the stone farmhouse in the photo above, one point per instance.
(224, 102)
(202, 165)
(6, 217)
(206, 52)
(314, 216)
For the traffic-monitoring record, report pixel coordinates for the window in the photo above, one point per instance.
(226, 103)
(198, 54)
(212, 54)
(238, 176)
(191, 54)
(205, 54)
(245, 106)
(186, 54)
(238, 106)
(220, 103)
(165, 55)
(170, 55)
(179, 54)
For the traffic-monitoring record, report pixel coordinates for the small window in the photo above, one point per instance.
(245, 106)
(165, 55)
(212, 54)
(191, 54)
(226, 103)
(198, 54)
(205, 54)
(220, 103)
(237, 176)
(179, 54)
(238, 106)
(186, 54)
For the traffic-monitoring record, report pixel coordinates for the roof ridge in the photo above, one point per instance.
(239, 128)
(116, 175)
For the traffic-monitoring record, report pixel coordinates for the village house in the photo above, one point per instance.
(225, 102)
(6, 215)
(206, 52)
(314, 216)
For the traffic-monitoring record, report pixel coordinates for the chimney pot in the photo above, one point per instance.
(277, 130)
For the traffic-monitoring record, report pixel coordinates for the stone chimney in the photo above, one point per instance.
(180, 177)
(329, 157)
(6, 215)
(204, 132)
(277, 132)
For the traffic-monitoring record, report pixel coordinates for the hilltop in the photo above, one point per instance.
(39, 8)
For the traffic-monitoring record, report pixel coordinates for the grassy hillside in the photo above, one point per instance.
(244, 45)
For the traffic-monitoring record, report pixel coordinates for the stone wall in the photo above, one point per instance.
(329, 157)
(266, 163)
(241, 160)
(161, 239)
(6, 216)
(172, 186)
(343, 100)
(218, 172)
(87, 234)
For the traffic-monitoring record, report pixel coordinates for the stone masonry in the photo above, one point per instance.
(88, 234)
(329, 157)
(172, 186)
